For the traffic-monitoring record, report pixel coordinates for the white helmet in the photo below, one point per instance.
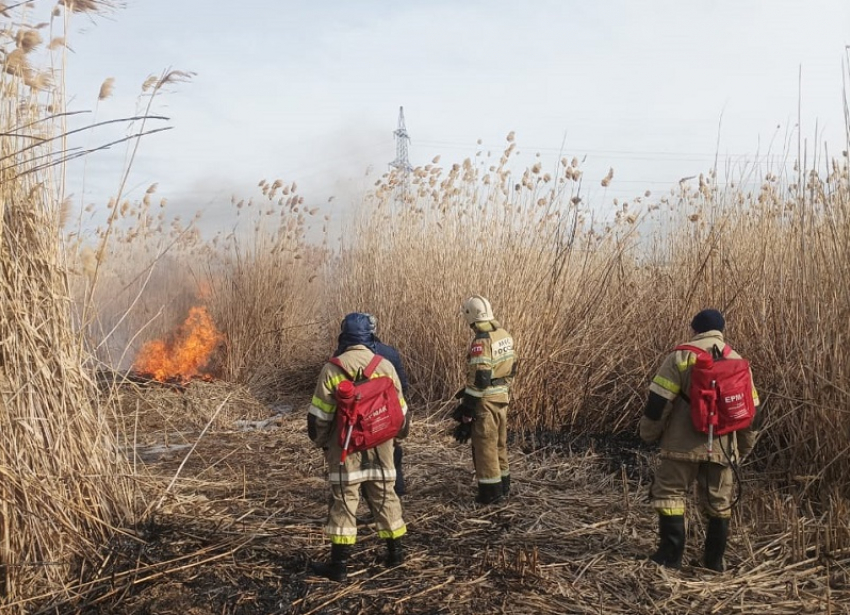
(477, 309)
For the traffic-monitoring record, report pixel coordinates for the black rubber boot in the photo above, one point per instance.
(671, 541)
(398, 457)
(715, 543)
(395, 552)
(506, 485)
(489, 493)
(337, 569)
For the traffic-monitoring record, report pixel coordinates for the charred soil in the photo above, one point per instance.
(236, 516)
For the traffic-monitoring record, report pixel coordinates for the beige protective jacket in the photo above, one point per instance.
(490, 363)
(373, 464)
(679, 439)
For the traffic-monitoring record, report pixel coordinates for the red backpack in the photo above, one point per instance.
(368, 409)
(721, 393)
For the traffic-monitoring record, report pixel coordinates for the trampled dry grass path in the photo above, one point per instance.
(243, 519)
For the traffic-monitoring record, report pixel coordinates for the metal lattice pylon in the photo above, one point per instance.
(401, 162)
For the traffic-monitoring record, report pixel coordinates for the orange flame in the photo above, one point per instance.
(185, 354)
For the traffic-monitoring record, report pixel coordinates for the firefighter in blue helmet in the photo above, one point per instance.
(371, 471)
(393, 356)
(686, 455)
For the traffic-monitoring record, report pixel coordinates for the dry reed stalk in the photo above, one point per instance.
(594, 305)
(64, 490)
(593, 298)
(569, 540)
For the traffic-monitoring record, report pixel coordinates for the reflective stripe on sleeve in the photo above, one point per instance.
(665, 388)
(688, 362)
(321, 409)
(320, 414)
(488, 392)
(332, 382)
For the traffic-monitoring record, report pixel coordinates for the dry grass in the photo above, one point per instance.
(64, 489)
(260, 282)
(244, 514)
(156, 410)
(595, 298)
(265, 291)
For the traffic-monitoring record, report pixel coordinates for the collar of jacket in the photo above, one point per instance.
(357, 347)
(713, 333)
(488, 325)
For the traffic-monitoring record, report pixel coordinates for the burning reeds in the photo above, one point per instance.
(189, 353)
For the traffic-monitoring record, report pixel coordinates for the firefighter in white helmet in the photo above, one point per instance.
(482, 412)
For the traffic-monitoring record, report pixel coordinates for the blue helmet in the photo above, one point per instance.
(356, 328)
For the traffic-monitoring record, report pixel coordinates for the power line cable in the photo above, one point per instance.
(632, 154)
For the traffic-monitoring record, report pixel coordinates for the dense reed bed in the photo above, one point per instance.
(261, 282)
(596, 297)
(594, 294)
(64, 488)
(266, 292)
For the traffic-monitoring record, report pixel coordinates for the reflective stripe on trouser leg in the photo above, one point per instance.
(671, 484)
(486, 430)
(342, 525)
(385, 507)
(673, 481)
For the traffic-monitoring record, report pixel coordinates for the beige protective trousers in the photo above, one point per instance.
(382, 501)
(372, 474)
(674, 479)
(490, 442)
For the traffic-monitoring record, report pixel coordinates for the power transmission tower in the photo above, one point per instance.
(401, 162)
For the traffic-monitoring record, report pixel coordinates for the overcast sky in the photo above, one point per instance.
(310, 91)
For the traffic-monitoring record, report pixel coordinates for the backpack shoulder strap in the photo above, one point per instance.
(367, 373)
(338, 363)
(727, 349)
(373, 365)
(695, 349)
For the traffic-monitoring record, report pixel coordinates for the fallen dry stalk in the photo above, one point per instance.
(569, 540)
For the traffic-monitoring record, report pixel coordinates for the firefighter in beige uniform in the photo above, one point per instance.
(482, 413)
(684, 456)
(372, 469)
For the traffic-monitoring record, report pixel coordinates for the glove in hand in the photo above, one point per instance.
(462, 432)
(463, 414)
